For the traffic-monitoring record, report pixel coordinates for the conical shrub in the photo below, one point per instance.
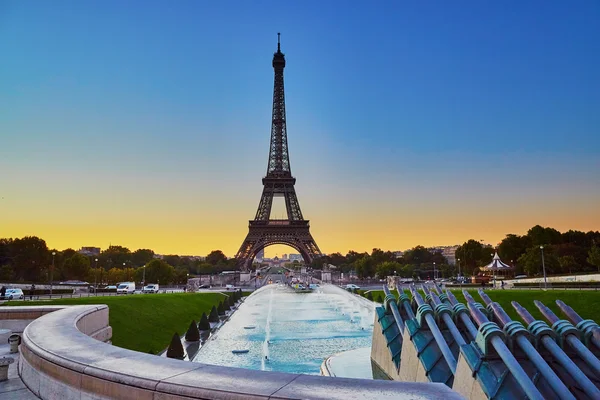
(370, 296)
(234, 297)
(221, 308)
(175, 349)
(214, 315)
(192, 334)
(226, 304)
(204, 325)
(379, 299)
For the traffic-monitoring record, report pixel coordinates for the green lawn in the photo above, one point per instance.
(147, 322)
(584, 302)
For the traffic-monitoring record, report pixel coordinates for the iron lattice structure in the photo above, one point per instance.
(278, 182)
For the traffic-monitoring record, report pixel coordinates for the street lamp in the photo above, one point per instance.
(434, 272)
(51, 271)
(96, 278)
(144, 276)
(459, 277)
(544, 268)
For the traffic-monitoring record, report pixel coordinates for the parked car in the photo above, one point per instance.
(205, 286)
(230, 287)
(14, 294)
(352, 286)
(153, 288)
(126, 288)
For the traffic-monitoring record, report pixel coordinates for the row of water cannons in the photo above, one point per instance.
(509, 360)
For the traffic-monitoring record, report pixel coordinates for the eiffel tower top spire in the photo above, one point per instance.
(279, 160)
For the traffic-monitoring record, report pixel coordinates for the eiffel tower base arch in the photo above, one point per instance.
(295, 234)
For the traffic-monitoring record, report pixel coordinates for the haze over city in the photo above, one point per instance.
(407, 123)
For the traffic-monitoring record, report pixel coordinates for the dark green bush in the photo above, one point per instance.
(214, 315)
(175, 349)
(192, 334)
(204, 324)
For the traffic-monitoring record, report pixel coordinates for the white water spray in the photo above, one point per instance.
(265, 346)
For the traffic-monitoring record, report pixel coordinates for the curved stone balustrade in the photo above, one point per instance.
(61, 358)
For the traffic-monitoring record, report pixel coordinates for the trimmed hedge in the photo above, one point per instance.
(204, 325)
(175, 349)
(214, 315)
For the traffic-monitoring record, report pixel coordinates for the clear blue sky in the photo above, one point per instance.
(392, 107)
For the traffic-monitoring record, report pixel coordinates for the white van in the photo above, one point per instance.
(126, 288)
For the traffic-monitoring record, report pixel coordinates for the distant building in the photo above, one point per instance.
(90, 251)
(295, 257)
(447, 251)
(398, 253)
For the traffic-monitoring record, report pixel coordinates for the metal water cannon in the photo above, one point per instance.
(590, 331)
(546, 338)
(520, 338)
(491, 339)
(568, 334)
(425, 316)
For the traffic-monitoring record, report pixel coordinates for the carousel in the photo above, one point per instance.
(496, 270)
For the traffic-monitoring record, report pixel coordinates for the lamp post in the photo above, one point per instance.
(144, 276)
(51, 271)
(459, 277)
(544, 268)
(96, 278)
(434, 272)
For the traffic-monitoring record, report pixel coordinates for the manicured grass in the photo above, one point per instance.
(584, 302)
(146, 322)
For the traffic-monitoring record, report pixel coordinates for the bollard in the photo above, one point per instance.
(424, 314)
(568, 333)
(546, 338)
(14, 341)
(588, 328)
(521, 337)
(490, 334)
(4, 365)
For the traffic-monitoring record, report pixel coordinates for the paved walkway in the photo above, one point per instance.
(13, 388)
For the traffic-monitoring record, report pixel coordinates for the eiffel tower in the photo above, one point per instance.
(293, 231)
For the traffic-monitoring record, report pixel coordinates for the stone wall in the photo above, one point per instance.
(61, 359)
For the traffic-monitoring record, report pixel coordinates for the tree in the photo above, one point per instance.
(30, 258)
(115, 275)
(364, 267)
(114, 256)
(158, 271)
(76, 267)
(216, 257)
(173, 260)
(141, 257)
(6, 273)
(541, 236)
(513, 246)
(472, 255)
(594, 256)
(531, 261)
(567, 264)
(387, 268)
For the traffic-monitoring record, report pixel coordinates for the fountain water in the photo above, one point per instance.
(294, 332)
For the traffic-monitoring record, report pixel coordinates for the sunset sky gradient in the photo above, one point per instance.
(147, 123)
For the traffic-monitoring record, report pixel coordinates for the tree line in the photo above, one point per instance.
(29, 259)
(564, 253)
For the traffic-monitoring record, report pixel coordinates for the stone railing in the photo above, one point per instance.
(17, 318)
(61, 358)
